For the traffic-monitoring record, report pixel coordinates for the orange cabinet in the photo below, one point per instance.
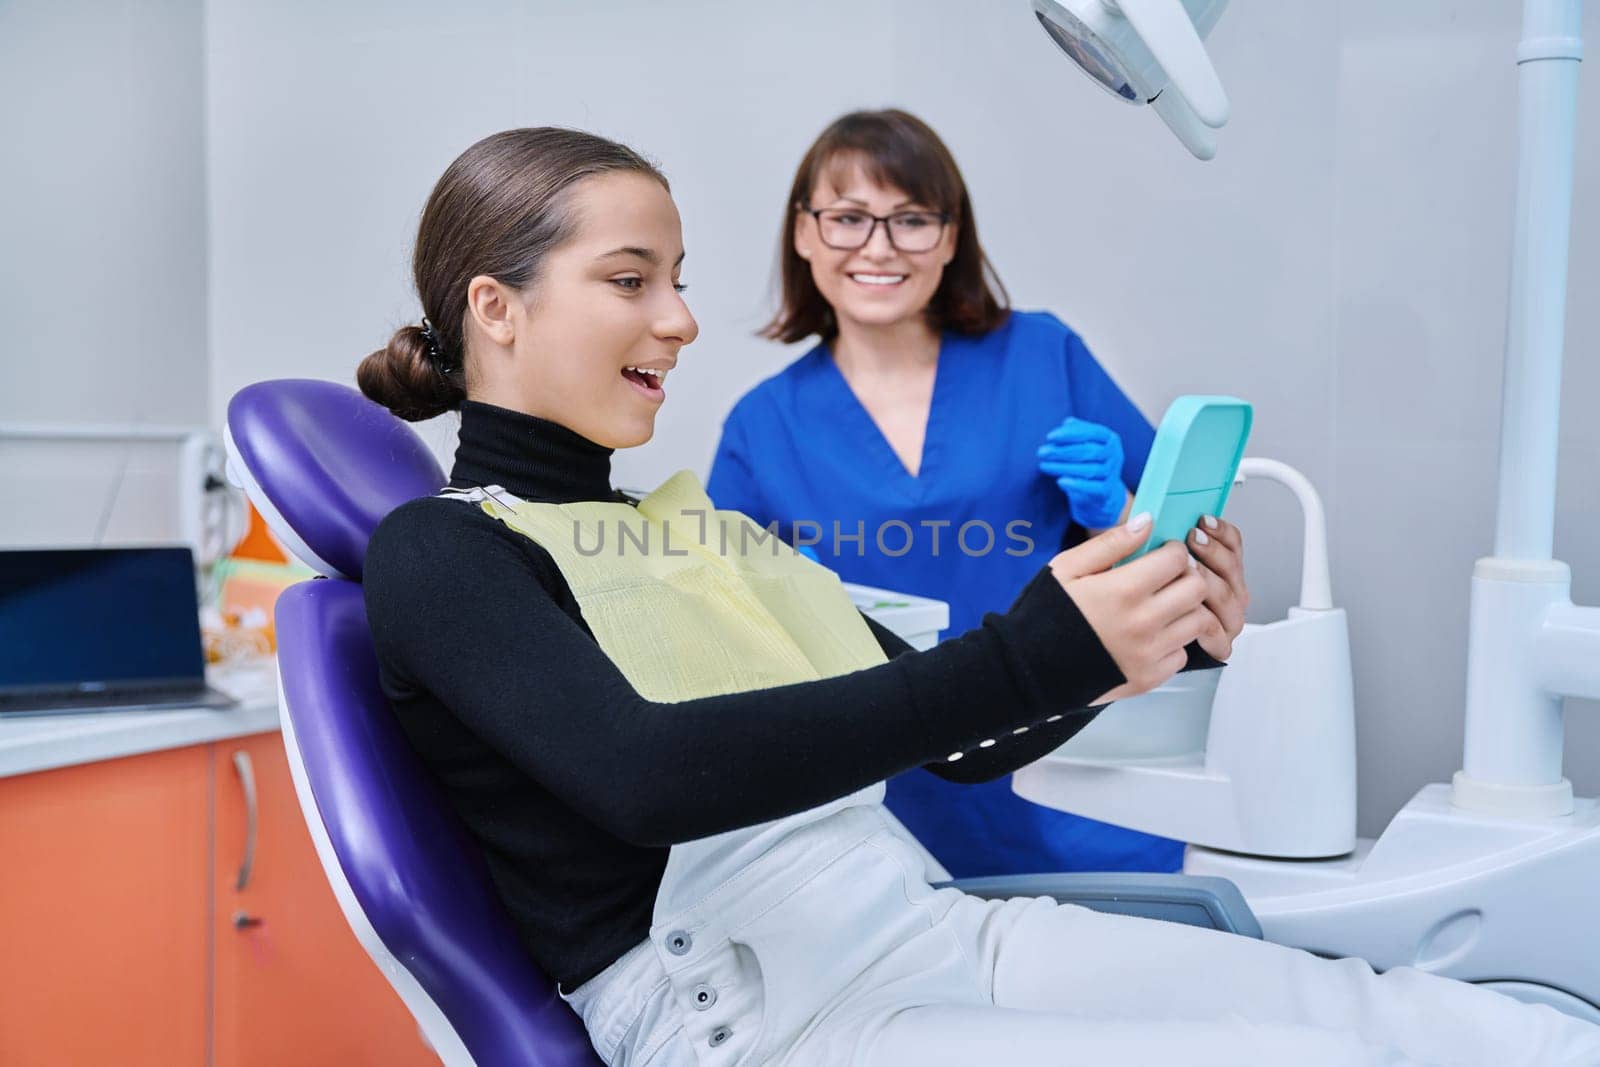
(104, 898)
(129, 934)
(293, 985)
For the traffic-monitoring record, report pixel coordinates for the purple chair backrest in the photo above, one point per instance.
(329, 465)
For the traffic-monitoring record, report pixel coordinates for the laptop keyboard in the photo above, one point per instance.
(176, 696)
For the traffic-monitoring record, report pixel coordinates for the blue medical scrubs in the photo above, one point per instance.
(971, 528)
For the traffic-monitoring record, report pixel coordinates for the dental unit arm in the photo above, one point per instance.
(1256, 758)
(1488, 878)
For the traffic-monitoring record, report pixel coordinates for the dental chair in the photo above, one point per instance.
(323, 465)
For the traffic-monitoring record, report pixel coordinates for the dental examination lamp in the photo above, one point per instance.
(1147, 52)
(1488, 878)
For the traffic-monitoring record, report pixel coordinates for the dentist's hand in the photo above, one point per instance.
(1220, 549)
(1144, 613)
(1085, 459)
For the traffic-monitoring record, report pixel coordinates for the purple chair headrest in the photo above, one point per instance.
(324, 465)
(420, 881)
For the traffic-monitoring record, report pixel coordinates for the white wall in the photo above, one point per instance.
(1342, 263)
(330, 123)
(102, 259)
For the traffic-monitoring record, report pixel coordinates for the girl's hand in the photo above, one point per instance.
(1085, 459)
(1220, 548)
(1144, 613)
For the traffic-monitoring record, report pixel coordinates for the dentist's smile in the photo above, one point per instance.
(877, 281)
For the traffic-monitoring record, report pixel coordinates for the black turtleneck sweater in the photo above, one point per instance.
(575, 785)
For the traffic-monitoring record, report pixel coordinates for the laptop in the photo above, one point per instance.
(101, 629)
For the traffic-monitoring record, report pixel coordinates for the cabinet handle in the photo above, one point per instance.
(247, 778)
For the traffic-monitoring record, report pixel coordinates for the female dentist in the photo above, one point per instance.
(933, 441)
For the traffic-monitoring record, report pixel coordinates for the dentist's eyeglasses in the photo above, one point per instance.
(848, 229)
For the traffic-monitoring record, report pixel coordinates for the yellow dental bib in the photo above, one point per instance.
(691, 602)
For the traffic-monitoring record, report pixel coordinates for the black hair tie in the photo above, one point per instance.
(430, 337)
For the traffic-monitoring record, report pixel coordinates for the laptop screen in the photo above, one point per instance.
(87, 618)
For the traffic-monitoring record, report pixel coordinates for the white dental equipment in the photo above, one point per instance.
(1213, 757)
(1137, 50)
(1487, 878)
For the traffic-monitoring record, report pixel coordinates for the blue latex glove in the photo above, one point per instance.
(1085, 459)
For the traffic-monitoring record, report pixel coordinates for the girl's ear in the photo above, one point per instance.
(490, 305)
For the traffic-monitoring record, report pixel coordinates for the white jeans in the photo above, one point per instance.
(857, 961)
